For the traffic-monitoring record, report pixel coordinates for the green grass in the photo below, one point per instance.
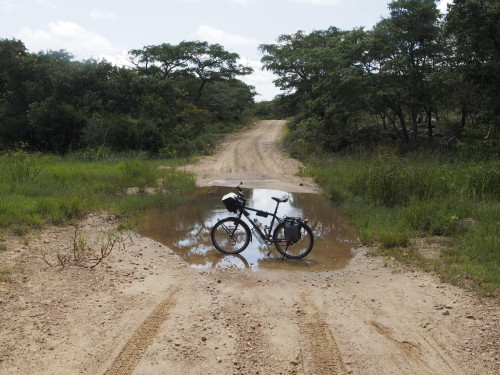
(39, 190)
(392, 199)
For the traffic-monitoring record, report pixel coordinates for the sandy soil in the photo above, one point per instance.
(251, 157)
(144, 311)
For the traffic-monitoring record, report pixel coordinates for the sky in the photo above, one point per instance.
(108, 29)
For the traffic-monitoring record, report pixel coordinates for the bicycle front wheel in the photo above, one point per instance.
(230, 235)
(290, 249)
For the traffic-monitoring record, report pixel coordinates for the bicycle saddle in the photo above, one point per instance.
(280, 200)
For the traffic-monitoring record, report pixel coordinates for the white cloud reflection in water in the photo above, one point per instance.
(186, 230)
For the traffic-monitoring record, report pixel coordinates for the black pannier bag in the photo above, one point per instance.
(231, 202)
(292, 229)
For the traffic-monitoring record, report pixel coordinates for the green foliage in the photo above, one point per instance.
(3, 245)
(51, 103)
(21, 166)
(407, 79)
(392, 180)
(92, 154)
(126, 133)
(268, 110)
(394, 239)
(474, 25)
(138, 172)
(178, 181)
(392, 199)
(67, 188)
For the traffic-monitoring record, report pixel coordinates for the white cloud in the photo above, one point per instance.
(102, 14)
(318, 2)
(262, 80)
(46, 3)
(214, 35)
(442, 6)
(118, 59)
(69, 36)
(242, 2)
(7, 6)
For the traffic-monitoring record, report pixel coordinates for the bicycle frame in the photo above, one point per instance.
(244, 211)
(231, 235)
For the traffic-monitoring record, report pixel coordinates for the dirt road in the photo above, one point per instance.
(146, 312)
(252, 157)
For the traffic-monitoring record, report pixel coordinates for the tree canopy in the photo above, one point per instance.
(170, 103)
(420, 73)
(416, 78)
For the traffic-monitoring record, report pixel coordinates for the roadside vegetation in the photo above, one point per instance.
(173, 102)
(38, 190)
(393, 199)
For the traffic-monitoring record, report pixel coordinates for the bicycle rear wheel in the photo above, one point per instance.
(290, 249)
(230, 235)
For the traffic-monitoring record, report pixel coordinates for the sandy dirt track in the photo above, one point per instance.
(253, 158)
(144, 311)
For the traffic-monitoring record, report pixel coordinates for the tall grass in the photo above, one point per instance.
(391, 180)
(54, 190)
(394, 198)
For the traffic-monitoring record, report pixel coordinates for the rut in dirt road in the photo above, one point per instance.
(135, 348)
(320, 353)
(255, 157)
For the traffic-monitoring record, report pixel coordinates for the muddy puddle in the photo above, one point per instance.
(186, 230)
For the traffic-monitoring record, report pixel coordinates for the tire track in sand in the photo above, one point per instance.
(254, 157)
(414, 354)
(320, 353)
(134, 349)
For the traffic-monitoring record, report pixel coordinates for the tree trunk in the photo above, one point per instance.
(200, 89)
(429, 123)
(384, 123)
(404, 130)
(463, 120)
(414, 124)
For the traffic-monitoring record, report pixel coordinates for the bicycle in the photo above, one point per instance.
(292, 236)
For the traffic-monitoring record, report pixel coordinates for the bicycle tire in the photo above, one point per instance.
(292, 250)
(230, 235)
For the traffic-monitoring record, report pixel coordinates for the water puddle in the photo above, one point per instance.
(186, 230)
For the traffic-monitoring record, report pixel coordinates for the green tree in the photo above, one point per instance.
(50, 102)
(474, 29)
(227, 100)
(292, 59)
(322, 71)
(405, 50)
(207, 62)
(164, 60)
(15, 69)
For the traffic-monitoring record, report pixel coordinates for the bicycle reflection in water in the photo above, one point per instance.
(185, 229)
